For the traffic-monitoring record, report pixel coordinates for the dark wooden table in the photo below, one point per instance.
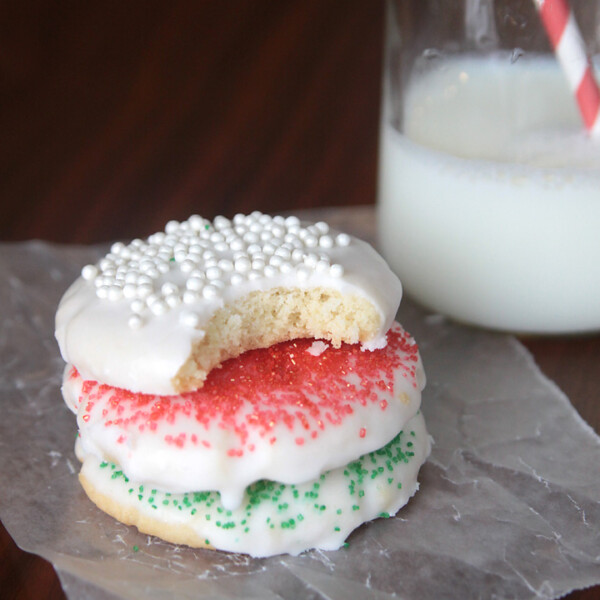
(118, 116)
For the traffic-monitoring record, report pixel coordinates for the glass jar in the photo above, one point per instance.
(489, 187)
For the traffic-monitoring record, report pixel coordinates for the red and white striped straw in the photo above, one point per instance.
(568, 46)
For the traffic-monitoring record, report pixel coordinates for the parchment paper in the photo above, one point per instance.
(509, 505)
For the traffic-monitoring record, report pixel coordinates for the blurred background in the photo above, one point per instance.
(117, 116)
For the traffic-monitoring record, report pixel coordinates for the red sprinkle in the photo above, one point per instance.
(281, 385)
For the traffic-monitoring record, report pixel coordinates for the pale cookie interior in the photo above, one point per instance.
(262, 319)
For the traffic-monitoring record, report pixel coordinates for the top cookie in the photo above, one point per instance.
(156, 316)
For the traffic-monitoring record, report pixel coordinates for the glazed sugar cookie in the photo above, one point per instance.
(156, 316)
(287, 413)
(274, 518)
(242, 385)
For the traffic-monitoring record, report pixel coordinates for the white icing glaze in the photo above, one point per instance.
(318, 514)
(373, 404)
(131, 320)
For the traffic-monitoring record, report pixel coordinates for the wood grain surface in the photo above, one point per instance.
(118, 116)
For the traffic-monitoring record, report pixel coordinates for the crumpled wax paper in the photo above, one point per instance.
(509, 505)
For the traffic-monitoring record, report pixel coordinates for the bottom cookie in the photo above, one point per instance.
(273, 518)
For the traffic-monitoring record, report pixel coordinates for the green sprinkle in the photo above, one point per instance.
(103, 464)
(384, 515)
(207, 542)
(339, 511)
(135, 548)
(400, 486)
(336, 529)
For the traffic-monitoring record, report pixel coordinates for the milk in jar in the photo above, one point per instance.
(489, 195)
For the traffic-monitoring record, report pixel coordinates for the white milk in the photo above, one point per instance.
(489, 204)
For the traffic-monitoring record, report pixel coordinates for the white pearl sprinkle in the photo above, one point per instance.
(169, 288)
(190, 297)
(336, 270)
(322, 266)
(135, 322)
(250, 237)
(311, 241)
(237, 244)
(342, 239)
(270, 271)
(326, 241)
(303, 273)
(187, 266)
(159, 307)
(115, 292)
(213, 273)
(242, 265)
(194, 283)
(311, 260)
(129, 290)
(89, 272)
(196, 222)
(253, 249)
(137, 306)
(173, 300)
(236, 279)
(210, 291)
(102, 292)
(172, 227)
(151, 299)
(275, 260)
(225, 265)
(143, 290)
